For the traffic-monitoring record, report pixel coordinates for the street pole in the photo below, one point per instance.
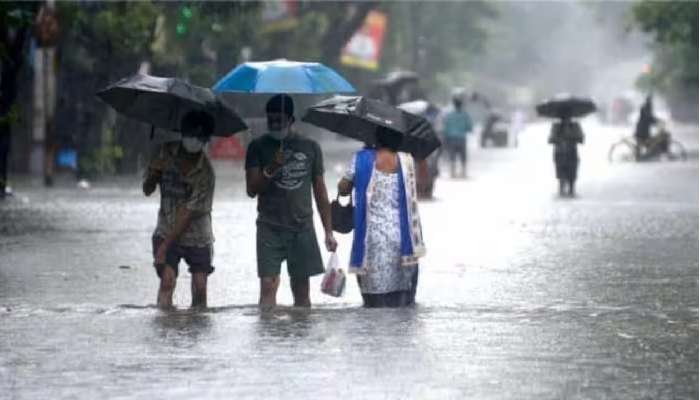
(50, 104)
(44, 102)
(36, 163)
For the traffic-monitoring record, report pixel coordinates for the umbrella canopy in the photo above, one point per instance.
(417, 107)
(359, 117)
(282, 76)
(398, 77)
(163, 102)
(563, 106)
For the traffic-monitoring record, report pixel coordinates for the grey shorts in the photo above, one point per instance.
(199, 259)
(300, 250)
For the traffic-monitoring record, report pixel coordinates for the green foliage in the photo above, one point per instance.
(14, 15)
(103, 159)
(11, 117)
(122, 30)
(674, 26)
(671, 22)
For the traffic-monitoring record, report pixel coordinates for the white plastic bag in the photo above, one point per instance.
(333, 283)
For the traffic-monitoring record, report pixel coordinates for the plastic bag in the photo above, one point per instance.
(333, 283)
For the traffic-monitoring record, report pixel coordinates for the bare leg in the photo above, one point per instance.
(199, 289)
(463, 159)
(167, 288)
(268, 291)
(300, 291)
(562, 187)
(572, 188)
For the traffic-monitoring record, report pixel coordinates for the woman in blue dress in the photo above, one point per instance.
(387, 239)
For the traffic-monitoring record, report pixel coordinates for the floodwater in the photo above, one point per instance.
(522, 295)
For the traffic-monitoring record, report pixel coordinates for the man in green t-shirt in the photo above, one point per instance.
(282, 170)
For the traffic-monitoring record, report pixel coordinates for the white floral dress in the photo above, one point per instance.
(384, 274)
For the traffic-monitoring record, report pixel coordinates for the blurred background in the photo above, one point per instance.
(523, 294)
(55, 56)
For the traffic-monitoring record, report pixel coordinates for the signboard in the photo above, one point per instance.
(365, 47)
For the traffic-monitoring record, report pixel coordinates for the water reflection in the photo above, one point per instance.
(182, 328)
(285, 323)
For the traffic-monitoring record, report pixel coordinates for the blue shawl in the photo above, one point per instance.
(411, 238)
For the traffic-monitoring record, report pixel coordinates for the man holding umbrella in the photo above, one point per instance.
(182, 170)
(184, 230)
(282, 170)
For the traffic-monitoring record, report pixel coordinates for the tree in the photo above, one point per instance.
(101, 42)
(15, 23)
(674, 26)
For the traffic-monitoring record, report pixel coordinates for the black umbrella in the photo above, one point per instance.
(163, 102)
(397, 77)
(564, 106)
(359, 117)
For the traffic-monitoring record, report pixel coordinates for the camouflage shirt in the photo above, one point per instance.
(194, 190)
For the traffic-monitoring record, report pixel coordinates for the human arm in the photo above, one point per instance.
(321, 197)
(580, 137)
(468, 124)
(258, 176)
(198, 204)
(552, 134)
(345, 185)
(182, 221)
(152, 176)
(324, 210)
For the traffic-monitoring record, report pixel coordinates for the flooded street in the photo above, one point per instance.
(522, 295)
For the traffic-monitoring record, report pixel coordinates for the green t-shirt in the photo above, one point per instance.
(287, 201)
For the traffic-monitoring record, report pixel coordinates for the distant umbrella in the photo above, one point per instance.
(398, 77)
(283, 76)
(359, 117)
(163, 102)
(564, 105)
(417, 107)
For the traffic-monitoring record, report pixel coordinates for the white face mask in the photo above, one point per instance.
(192, 144)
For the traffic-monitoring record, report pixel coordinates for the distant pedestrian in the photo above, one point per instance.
(565, 136)
(456, 125)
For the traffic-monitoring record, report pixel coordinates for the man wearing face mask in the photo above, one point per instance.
(186, 180)
(282, 170)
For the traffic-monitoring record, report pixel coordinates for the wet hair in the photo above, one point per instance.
(388, 139)
(280, 103)
(195, 119)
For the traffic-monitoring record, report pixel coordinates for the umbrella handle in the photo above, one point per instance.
(153, 132)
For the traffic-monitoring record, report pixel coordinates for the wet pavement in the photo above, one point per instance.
(523, 295)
